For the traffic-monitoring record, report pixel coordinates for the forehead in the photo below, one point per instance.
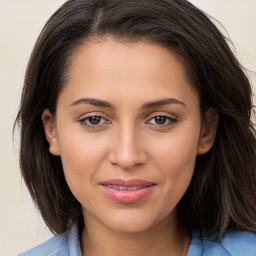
(140, 70)
(131, 56)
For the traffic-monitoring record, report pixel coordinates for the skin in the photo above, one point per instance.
(129, 143)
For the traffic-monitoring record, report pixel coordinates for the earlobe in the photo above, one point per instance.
(208, 131)
(50, 132)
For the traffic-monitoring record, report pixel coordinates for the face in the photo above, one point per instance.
(128, 129)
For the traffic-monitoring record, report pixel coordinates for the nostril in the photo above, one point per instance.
(127, 161)
(126, 150)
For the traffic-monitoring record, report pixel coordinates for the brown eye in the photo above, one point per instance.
(162, 120)
(92, 121)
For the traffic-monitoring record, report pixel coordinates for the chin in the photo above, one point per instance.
(132, 221)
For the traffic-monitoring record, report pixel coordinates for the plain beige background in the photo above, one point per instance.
(20, 23)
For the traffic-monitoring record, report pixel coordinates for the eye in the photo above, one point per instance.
(92, 121)
(162, 120)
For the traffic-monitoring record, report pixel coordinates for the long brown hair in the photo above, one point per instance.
(222, 195)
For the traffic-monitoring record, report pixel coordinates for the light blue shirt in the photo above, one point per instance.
(237, 243)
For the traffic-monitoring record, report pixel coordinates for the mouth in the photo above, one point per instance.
(124, 188)
(127, 191)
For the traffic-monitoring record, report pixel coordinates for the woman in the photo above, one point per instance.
(136, 133)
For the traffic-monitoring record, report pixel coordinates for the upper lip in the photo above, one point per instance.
(128, 183)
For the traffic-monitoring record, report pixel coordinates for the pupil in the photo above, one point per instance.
(94, 120)
(160, 119)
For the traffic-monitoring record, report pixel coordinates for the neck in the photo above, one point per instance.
(167, 238)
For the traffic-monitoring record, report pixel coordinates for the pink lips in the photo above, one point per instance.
(127, 191)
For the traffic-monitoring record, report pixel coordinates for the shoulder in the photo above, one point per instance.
(56, 245)
(61, 245)
(240, 243)
(235, 243)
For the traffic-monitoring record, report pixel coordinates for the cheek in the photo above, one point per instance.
(178, 169)
(80, 160)
(175, 158)
(178, 152)
(79, 153)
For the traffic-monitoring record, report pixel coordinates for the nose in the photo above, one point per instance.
(127, 149)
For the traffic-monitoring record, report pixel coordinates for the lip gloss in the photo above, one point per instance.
(127, 191)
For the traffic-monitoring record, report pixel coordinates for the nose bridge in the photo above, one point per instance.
(127, 150)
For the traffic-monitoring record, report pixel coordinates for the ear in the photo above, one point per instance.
(50, 131)
(208, 131)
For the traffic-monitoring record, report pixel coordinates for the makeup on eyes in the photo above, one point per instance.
(94, 113)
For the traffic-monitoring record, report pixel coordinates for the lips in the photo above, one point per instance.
(127, 191)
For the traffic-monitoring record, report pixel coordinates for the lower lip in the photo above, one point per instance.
(127, 196)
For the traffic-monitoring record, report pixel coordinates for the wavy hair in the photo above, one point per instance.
(222, 194)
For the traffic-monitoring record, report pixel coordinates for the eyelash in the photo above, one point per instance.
(168, 121)
(84, 120)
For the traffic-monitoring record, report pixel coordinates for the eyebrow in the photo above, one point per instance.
(102, 103)
(94, 102)
(163, 102)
